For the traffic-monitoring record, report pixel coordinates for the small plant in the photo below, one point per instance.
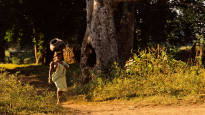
(15, 60)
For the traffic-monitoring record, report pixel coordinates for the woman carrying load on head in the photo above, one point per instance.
(57, 72)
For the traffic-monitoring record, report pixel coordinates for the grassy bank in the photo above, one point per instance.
(151, 76)
(19, 97)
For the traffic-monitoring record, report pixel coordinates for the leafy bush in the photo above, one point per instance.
(18, 98)
(28, 60)
(150, 73)
(15, 60)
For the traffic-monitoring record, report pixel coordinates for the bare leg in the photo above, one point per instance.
(59, 94)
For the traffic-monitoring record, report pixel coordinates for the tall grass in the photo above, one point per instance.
(18, 98)
(149, 73)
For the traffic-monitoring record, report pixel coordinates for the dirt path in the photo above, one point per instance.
(132, 109)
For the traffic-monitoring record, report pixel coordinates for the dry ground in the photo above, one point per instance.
(133, 109)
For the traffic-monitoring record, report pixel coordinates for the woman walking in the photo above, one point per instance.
(57, 73)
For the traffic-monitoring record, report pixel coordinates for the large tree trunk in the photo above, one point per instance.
(125, 21)
(99, 48)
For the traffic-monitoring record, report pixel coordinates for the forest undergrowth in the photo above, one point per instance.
(23, 91)
(149, 77)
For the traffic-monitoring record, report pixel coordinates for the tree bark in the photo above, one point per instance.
(36, 52)
(126, 30)
(99, 48)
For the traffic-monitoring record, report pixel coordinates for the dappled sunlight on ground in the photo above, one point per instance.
(34, 74)
(14, 66)
(133, 109)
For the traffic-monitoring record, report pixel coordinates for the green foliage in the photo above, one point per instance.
(15, 60)
(187, 22)
(18, 98)
(150, 73)
(199, 39)
(64, 19)
(13, 35)
(19, 57)
(39, 40)
(8, 36)
(28, 60)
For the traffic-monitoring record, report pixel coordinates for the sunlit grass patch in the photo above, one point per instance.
(19, 98)
(14, 66)
(154, 100)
